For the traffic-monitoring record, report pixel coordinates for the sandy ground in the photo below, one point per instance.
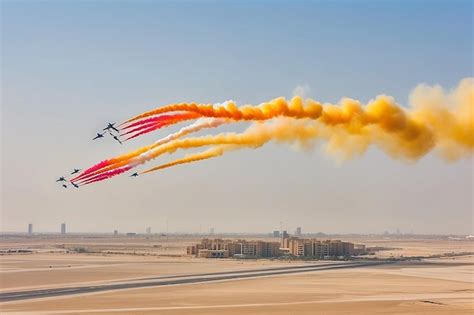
(176, 245)
(389, 290)
(39, 271)
(434, 286)
(408, 248)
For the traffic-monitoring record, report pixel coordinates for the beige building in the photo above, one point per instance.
(299, 247)
(315, 248)
(217, 253)
(218, 248)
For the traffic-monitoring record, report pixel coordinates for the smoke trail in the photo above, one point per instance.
(282, 130)
(141, 127)
(265, 111)
(208, 154)
(450, 116)
(91, 169)
(157, 119)
(198, 125)
(165, 121)
(438, 121)
(105, 175)
(141, 155)
(148, 129)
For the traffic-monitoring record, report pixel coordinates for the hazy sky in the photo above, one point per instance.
(68, 68)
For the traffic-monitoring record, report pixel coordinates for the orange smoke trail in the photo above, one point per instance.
(277, 107)
(140, 156)
(110, 164)
(208, 154)
(440, 121)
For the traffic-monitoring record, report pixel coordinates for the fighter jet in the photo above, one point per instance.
(75, 171)
(75, 185)
(115, 137)
(99, 135)
(61, 179)
(110, 127)
(134, 175)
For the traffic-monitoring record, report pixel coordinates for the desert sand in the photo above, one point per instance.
(431, 286)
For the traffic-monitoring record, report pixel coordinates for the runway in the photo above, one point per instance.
(179, 280)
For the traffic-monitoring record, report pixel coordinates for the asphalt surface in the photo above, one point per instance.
(177, 280)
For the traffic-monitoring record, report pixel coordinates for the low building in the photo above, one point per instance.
(294, 246)
(214, 248)
(315, 248)
(192, 250)
(359, 249)
(213, 253)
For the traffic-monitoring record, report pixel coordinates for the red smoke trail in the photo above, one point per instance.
(134, 158)
(91, 169)
(172, 119)
(154, 119)
(96, 169)
(141, 127)
(147, 130)
(106, 175)
(143, 121)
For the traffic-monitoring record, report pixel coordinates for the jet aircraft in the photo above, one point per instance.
(110, 127)
(99, 135)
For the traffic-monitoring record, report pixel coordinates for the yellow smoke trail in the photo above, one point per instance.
(440, 121)
(420, 129)
(281, 130)
(208, 154)
(449, 115)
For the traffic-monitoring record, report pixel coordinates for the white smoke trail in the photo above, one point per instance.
(198, 125)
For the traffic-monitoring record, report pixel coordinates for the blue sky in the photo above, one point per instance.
(68, 67)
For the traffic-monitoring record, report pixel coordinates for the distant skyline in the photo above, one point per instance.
(70, 67)
(153, 231)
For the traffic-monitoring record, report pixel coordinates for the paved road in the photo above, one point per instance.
(177, 280)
